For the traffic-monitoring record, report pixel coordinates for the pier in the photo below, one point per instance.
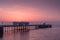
(23, 26)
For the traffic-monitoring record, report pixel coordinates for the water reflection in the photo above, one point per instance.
(24, 36)
(16, 35)
(1, 38)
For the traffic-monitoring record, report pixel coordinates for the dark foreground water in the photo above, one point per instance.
(39, 34)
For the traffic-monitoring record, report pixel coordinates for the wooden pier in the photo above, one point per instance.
(23, 27)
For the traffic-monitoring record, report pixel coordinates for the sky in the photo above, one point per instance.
(30, 10)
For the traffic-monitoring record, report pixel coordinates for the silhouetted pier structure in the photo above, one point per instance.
(40, 26)
(23, 26)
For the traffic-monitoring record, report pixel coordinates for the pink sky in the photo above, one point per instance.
(29, 11)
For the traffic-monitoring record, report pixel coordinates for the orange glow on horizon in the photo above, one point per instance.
(20, 13)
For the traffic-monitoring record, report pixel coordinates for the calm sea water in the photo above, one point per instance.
(39, 34)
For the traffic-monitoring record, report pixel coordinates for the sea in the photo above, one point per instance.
(36, 34)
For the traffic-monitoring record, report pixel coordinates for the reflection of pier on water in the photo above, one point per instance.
(16, 35)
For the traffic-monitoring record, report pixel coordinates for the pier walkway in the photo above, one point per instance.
(23, 27)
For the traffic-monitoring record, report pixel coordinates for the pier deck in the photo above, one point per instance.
(23, 27)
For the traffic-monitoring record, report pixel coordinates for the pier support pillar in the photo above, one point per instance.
(1, 32)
